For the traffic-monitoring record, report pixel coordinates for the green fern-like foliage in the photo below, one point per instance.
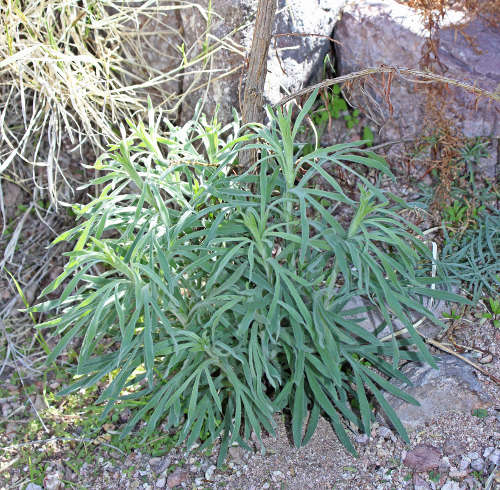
(222, 296)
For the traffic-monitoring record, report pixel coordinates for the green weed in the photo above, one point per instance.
(494, 311)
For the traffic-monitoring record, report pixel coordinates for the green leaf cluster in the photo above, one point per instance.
(223, 298)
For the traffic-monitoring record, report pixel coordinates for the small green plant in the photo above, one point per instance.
(222, 297)
(471, 258)
(455, 213)
(480, 413)
(434, 476)
(453, 314)
(494, 311)
(335, 107)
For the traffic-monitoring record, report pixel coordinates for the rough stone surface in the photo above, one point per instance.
(177, 477)
(420, 484)
(453, 447)
(423, 458)
(367, 31)
(451, 485)
(372, 318)
(232, 20)
(450, 388)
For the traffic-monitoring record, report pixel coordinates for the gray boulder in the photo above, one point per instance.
(452, 387)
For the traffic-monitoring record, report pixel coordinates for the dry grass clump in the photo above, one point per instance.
(71, 71)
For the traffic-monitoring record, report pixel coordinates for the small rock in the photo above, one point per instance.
(135, 484)
(477, 464)
(236, 454)
(362, 438)
(177, 477)
(33, 486)
(423, 458)
(451, 485)
(159, 465)
(465, 463)
(160, 483)
(473, 455)
(420, 484)
(54, 385)
(39, 403)
(494, 456)
(52, 481)
(386, 433)
(209, 474)
(453, 447)
(277, 475)
(458, 474)
(488, 451)
(266, 485)
(198, 482)
(486, 359)
(444, 465)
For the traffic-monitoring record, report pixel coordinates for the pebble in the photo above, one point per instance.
(209, 474)
(465, 463)
(451, 485)
(458, 474)
(386, 433)
(452, 447)
(477, 464)
(444, 465)
(423, 458)
(277, 475)
(472, 456)
(52, 481)
(420, 484)
(33, 486)
(236, 454)
(494, 456)
(486, 359)
(160, 483)
(266, 485)
(177, 477)
(362, 438)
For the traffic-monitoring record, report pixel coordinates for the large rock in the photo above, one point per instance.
(231, 30)
(452, 387)
(373, 33)
(152, 36)
(372, 318)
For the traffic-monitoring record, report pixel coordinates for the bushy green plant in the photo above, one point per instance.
(221, 298)
(472, 258)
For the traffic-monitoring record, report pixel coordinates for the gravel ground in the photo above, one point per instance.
(455, 451)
